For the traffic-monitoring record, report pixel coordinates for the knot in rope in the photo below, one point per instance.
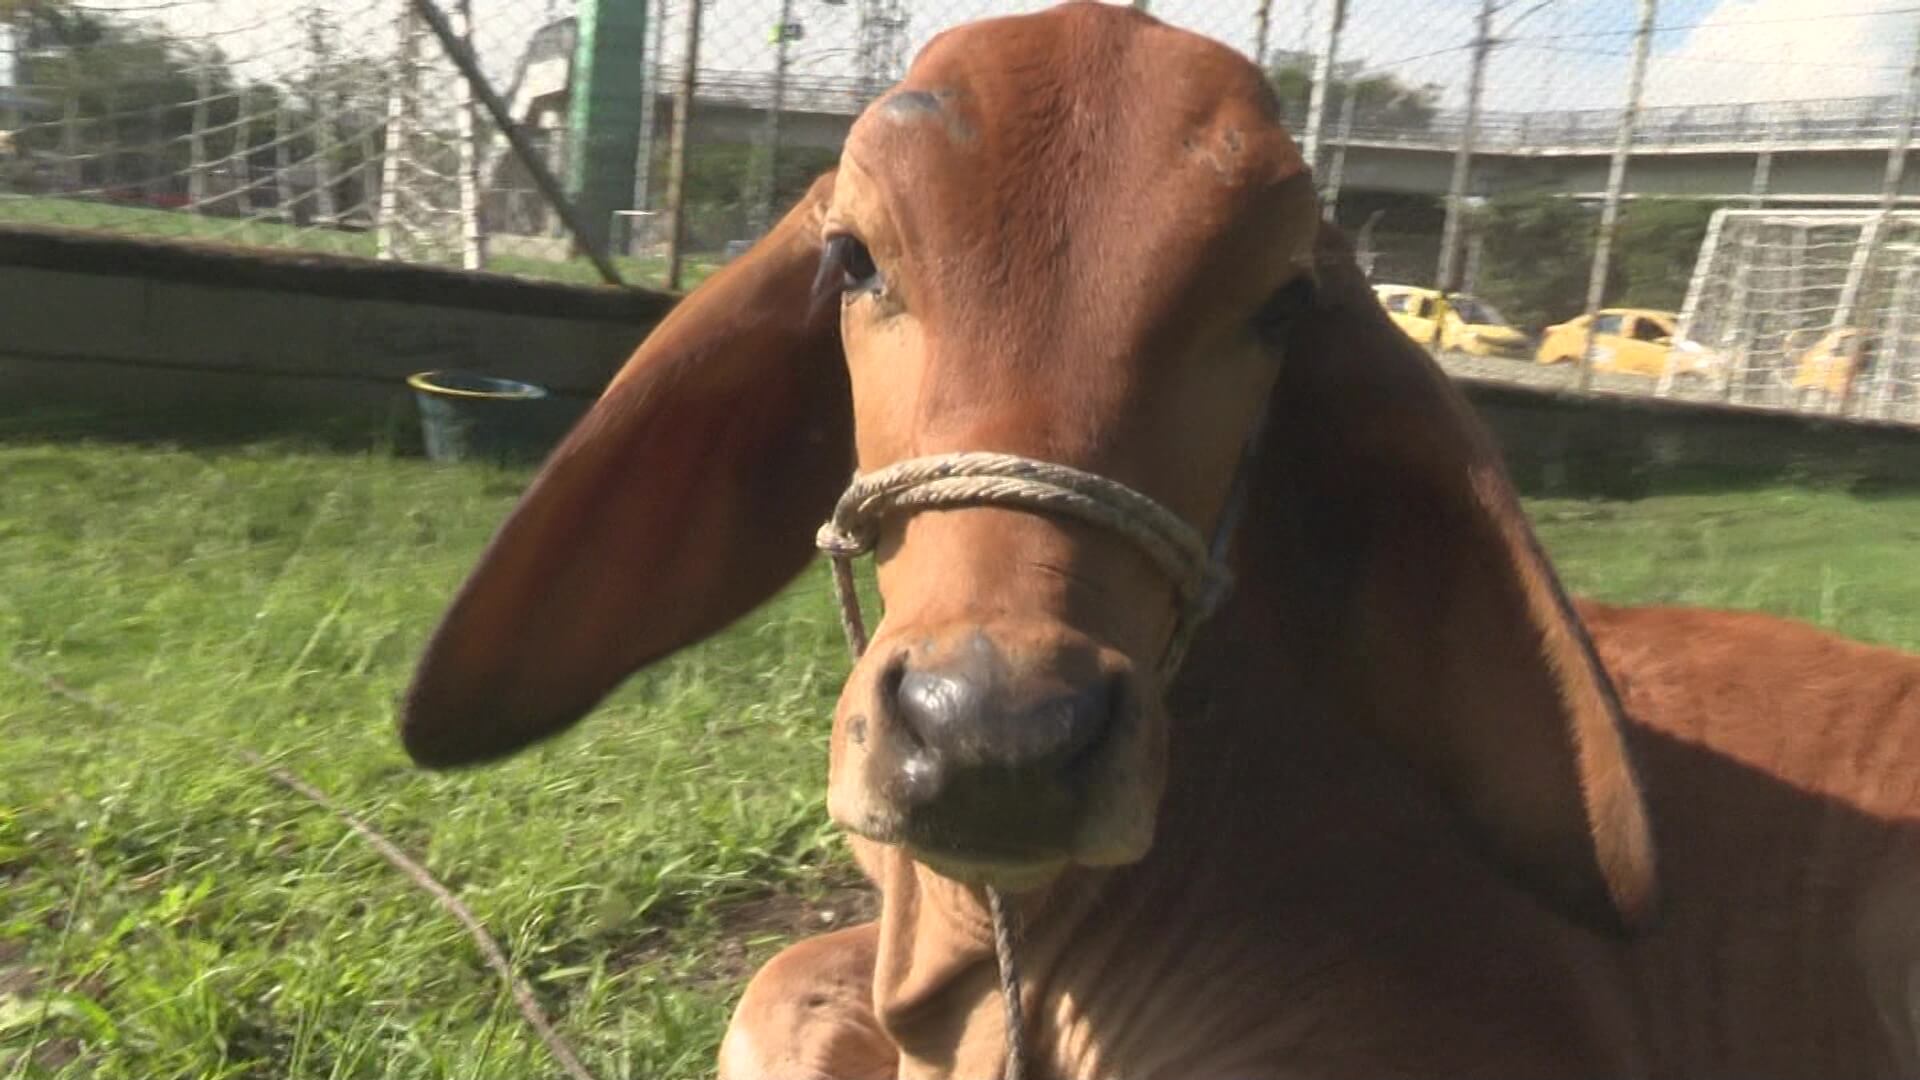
(952, 481)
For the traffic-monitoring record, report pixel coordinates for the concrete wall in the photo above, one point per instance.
(120, 325)
(140, 327)
(1615, 446)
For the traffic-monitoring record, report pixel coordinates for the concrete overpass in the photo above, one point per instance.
(1829, 151)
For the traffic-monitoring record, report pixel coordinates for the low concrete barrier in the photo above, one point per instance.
(138, 326)
(120, 324)
(1621, 446)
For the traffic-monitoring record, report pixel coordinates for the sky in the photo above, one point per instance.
(1554, 54)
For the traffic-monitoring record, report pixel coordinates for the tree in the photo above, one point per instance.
(1537, 252)
(1380, 100)
(123, 98)
(123, 93)
(721, 190)
(1658, 243)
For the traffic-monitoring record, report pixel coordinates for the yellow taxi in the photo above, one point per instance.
(1451, 323)
(1828, 365)
(1627, 341)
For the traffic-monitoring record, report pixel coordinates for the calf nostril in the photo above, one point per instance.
(1088, 714)
(891, 678)
(970, 720)
(939, 710)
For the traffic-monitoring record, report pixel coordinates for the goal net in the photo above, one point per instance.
(321, 125)
(1816, 309)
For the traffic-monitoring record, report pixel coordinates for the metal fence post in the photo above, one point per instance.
(1616, 181)
(1449, 273)
(649, 126)
(769, 178)
(677, 151)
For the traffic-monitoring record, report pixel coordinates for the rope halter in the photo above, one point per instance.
(953, 481)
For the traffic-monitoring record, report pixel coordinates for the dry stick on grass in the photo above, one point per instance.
(490, 950)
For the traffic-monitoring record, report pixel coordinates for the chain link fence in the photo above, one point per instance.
(1553, 161)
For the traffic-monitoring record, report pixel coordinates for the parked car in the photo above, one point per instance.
(1452, 323)
(1828, 365)
(1629, 341)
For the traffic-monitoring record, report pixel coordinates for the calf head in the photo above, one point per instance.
(1085, 237)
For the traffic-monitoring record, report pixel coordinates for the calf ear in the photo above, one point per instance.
(686, 496)
(1448, 631)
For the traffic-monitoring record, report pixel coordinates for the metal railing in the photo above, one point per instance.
(1828, 123)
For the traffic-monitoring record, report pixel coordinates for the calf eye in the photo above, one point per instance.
(847, 265)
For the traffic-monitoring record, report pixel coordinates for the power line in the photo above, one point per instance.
(1730, 24)
(1525, 44)
(1422, 56)
(1522, 17)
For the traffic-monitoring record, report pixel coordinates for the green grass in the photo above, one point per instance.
(166, 224)
(167, 912)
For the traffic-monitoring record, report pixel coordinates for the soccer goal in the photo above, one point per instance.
(319, 125)
(1814, 309)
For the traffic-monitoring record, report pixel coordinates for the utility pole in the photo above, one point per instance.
(649, 124)
(1337, 172)
(1322, 83)
(1463, 153)
(1875, 233)
(1262, 31)
(1616, 182)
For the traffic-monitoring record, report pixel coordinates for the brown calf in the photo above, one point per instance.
(1405, 811)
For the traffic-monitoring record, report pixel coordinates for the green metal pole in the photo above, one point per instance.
(607, 102)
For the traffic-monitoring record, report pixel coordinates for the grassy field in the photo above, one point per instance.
(167, 912)
(140, 222)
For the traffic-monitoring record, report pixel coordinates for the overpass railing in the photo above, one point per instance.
(1809, 124)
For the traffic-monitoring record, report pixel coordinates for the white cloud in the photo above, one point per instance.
(1771, 50)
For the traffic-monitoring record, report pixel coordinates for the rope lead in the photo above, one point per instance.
(951, 481)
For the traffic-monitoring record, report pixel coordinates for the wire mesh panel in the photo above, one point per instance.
(184, 118)
(1815, 310)
(278, 123)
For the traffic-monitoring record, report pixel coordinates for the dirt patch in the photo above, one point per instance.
(15, 976)
(755, 928)
(794, 916)
(18, 979)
